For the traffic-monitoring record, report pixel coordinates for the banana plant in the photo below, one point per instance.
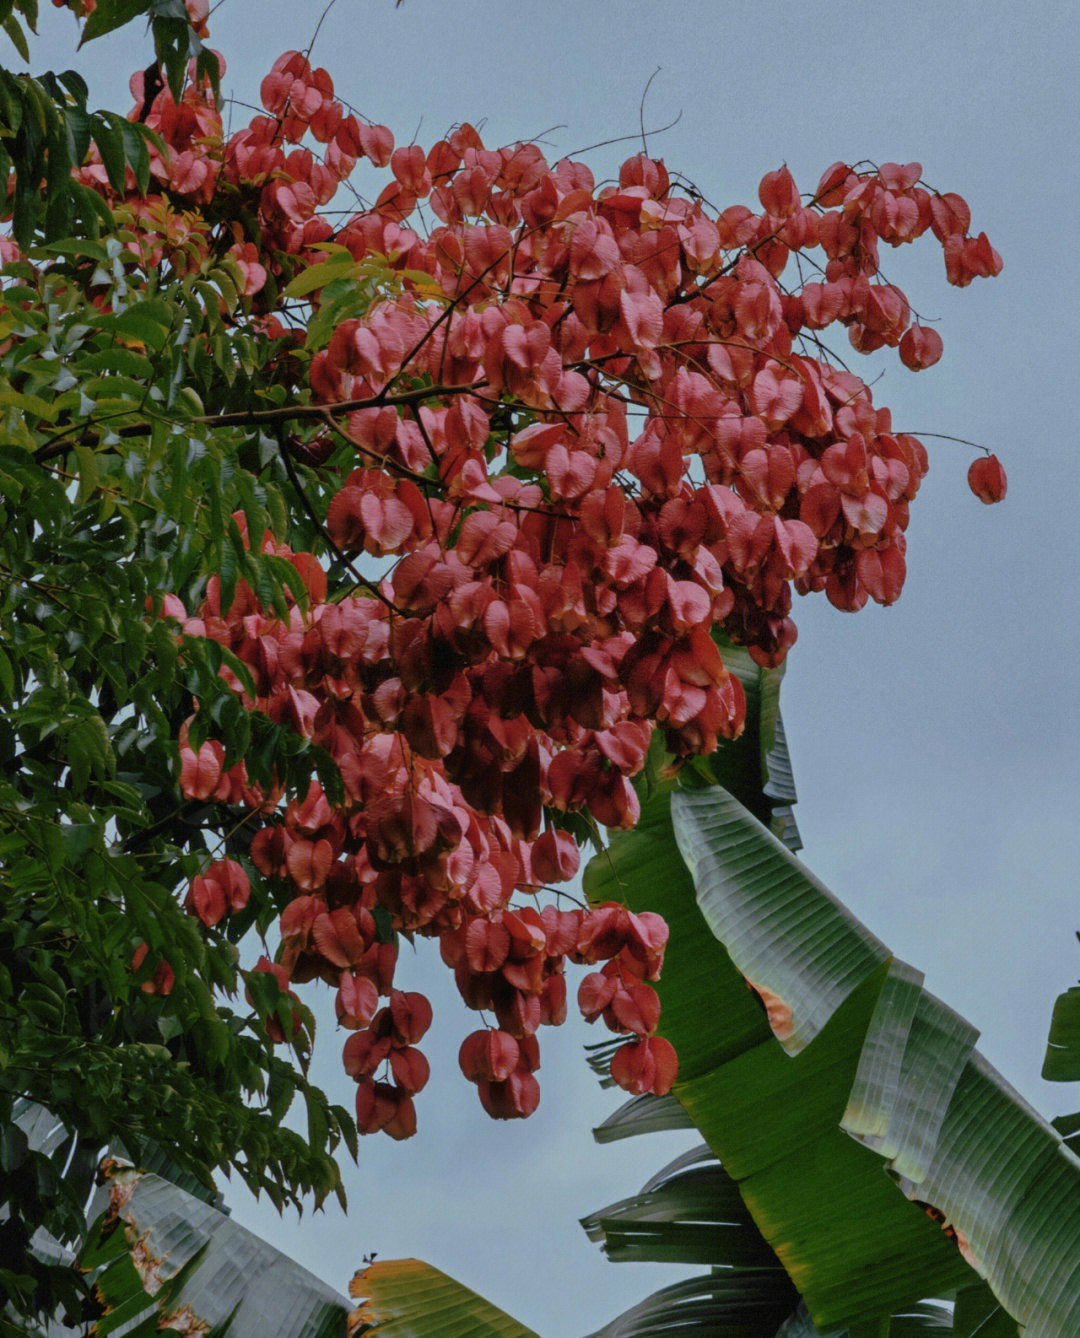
(882, 1158)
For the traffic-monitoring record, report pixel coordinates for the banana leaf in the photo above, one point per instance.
(1062, 1061)
(691, 1212)
(756, 767)
(978, 1314)
(404, 1298)
(180, 1260)
(643, 1115)
(914, 1322)
(712, 1306)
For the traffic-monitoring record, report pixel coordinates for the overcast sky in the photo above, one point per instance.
(934, 743)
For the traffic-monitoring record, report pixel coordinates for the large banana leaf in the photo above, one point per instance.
(36, 1132)
(214, 1270)
(404, 1298)
(874, 1073)
(220, 1276)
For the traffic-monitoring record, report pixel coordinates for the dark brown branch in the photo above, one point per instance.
(61, 443)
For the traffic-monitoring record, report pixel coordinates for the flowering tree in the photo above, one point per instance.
(355, 562)
(581, 431)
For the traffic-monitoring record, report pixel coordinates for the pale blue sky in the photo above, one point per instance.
(934, 743)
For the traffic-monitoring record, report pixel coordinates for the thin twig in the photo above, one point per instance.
(305, 502)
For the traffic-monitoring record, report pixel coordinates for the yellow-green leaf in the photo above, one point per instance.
(405, 1298)
(318, 276)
